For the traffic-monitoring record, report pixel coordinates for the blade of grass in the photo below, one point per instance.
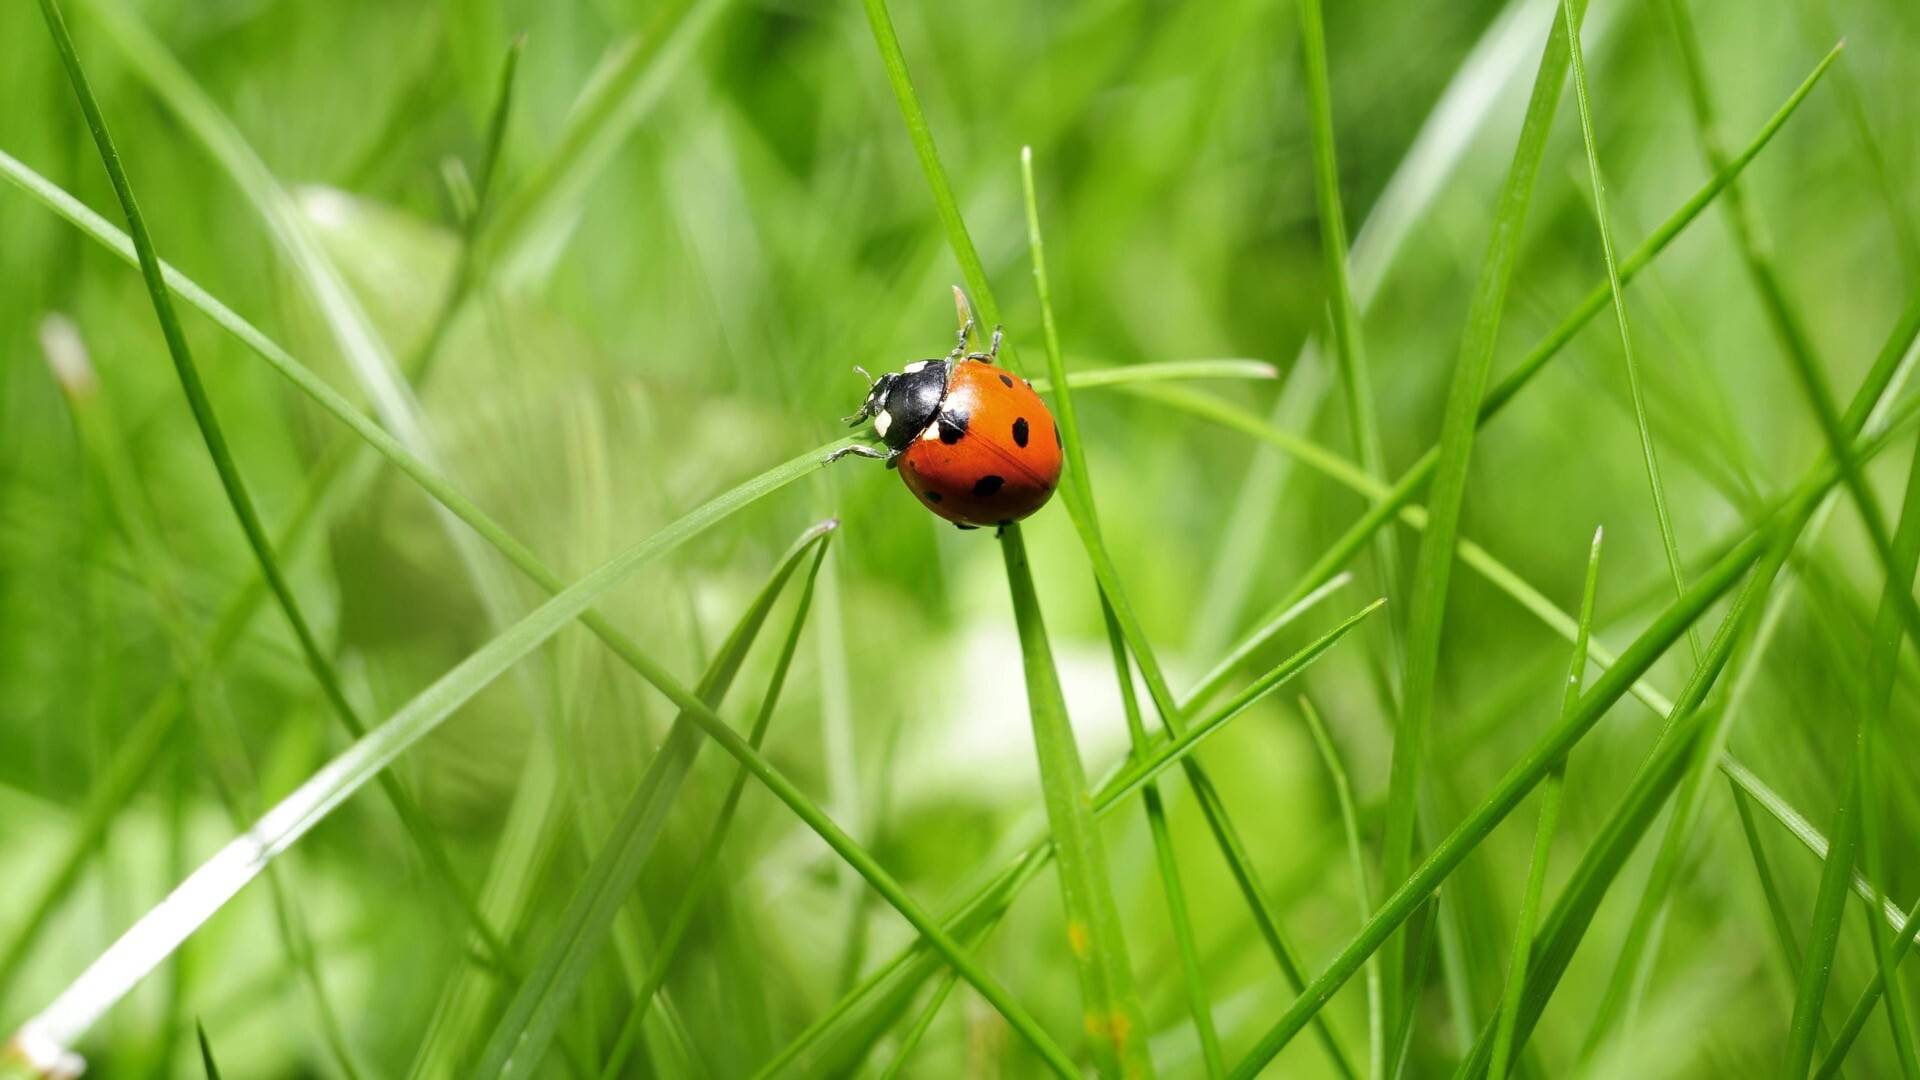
(1113, 1018)
(918, 1029)
(1080, 508)
(1434, 565)
(707, 864)
(1077, 491)
(1444, 138)
(983, 908)
(1687, 734)
(1349, 349)
(1416, 476)
(234, 485)
(1193, 977)
(1362, 891)
(206, 1051)
(1666, 629)
(104, 447)
(1863, 1008)
(1629, 973)
(519, 1041)
(1543, 832)
(1845, 835)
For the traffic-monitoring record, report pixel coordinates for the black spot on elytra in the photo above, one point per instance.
(934, 496)
(953, 425)
(1007, 380)
(1020, 432)
(987, 485)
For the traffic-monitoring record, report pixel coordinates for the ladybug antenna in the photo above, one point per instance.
(862, 372)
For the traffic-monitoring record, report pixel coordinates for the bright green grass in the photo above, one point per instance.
(556, 303)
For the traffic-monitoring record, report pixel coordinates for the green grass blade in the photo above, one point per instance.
(1537, 358)
(1667, 628)
(1113, 1018)
(1349, 347)
(1857, 800)
(1628, 978)
(1362, 891)
(1160, 371)
(1167, 862)
(1688, 737)
(707, 864)
(1434, 566)
(1077, 492)
(1543, 833)
(234, 485)
(1863, 1008)
(1080, 506)
(519, 1041)
(206, 1051)
(984, 907)
(918, 1029)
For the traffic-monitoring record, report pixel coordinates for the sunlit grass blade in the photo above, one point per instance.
(707, 864)
(1156, 371)
(519, 1041)
(1362, 891)
(234, 485)
(1416, 477)
(1433, 569)
(894, 982)
(1543, 833)
(632, 77)
(1114, 1023)
(1349, 349)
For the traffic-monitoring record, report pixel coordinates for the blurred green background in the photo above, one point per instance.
(676, 307)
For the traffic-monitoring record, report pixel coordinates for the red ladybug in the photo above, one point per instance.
(972, 440)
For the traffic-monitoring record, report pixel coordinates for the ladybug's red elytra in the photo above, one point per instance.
(973, 441)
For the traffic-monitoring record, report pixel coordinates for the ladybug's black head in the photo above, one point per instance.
(903, 403)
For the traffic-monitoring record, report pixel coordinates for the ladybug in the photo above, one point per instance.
(973, 441)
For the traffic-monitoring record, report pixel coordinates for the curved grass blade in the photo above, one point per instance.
(982, 910)
(1434, 567)
(520, 1040)
(1863, 1008)
(1362, 891)
(1113, 1019)
(234, 485)
(1080, 508)
(707, 863)
(1543, 833)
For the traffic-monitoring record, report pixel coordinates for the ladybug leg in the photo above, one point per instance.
(855, 450)
(992, 354)
(893, 459)
(960, 347)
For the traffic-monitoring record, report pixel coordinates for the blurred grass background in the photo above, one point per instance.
(687, 315)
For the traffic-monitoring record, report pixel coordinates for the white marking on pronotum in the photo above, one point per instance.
(932, 432)
(913, 367)
(883, 421)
